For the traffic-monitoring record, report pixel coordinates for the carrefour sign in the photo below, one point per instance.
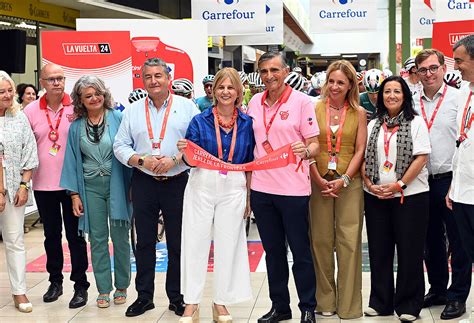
(454, 10)
(231, 17)
(343, 15)
(422, 17)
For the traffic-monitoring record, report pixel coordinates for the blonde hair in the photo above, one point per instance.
(233, 75)
(15, 105)
(349, 71)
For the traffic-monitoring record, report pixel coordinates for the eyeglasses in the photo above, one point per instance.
(433, 69)
(52, 80)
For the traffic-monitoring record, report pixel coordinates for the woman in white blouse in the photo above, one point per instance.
(396, 202)
(18, 158)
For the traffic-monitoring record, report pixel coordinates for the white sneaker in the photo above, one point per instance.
(407, 318)
(326, 313)
(371, 312)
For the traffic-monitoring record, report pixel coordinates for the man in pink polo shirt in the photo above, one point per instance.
(280, 197)
(50, 118)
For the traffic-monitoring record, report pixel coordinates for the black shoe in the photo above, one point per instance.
(274, 316)
(308, 317)
(140, 306)
(54, 291)
(433, 299)
(79, 299)
(177, 307)
(453, 310)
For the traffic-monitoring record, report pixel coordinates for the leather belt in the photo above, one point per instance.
(167, 178)
(441, 175)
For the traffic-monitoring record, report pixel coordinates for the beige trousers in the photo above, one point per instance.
(336, 226)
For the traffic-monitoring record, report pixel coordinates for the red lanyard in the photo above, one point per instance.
(282, 99)
(465, 124)
(219, 140)
(387, 138)
(53, 132)
(339, 130)
(163, 125)
(422, 106)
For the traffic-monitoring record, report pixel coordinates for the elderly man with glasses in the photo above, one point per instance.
(50, 118)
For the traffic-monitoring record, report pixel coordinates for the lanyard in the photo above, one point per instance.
(163, 125)
(282, 99)
(219, 140)
(465, 124)
(339, 129)
(422, 106)
(53, 132)
(386, 138)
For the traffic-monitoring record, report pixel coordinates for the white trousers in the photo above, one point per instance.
(11, 223)
(215, 204)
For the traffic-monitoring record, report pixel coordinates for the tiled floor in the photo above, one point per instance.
(59, 312)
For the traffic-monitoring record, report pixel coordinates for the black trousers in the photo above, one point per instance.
(442, 224)
(464, 217)
(281, 218)
(393, 225)
(50, 204)
(149, 196)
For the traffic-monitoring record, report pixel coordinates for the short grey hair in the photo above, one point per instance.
(270, 55)
(468, 43)
(155, 61)
(83, 83)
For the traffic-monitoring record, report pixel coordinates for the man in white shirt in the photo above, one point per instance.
(461, 193)
(437, 103)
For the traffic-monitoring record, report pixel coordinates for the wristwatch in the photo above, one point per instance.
(141, 161)
(25, 185)
(402, 185)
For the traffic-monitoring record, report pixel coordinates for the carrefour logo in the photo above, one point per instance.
(342, 1)
(228, 1)
(344, 14)
(459, 5)
(228, 15)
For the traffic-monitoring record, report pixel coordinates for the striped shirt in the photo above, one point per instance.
(202, 132)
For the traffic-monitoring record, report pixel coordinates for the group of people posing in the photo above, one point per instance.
(90, 164)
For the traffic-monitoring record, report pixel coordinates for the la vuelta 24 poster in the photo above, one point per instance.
(104, 54)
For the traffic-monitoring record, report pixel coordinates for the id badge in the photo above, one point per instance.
(387, 166)
(267, 146)
(332, 164)
(223, 173)
(53, 151)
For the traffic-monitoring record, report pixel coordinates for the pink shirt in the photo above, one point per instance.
(46, 176)
(295, 121)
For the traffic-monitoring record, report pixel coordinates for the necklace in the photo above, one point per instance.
(336, 108)
(227, 125)
(94, 132)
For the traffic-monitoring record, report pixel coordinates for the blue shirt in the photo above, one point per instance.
(203, 103)
(202, 132)
(132, 137)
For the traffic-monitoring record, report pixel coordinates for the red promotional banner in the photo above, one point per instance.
(198, 157)
(446, 34)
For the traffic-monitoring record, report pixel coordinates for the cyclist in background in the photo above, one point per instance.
(372, 80)
(205, 101)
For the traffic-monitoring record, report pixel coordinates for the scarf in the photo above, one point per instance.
(404, 146)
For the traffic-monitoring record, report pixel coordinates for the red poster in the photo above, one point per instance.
(446, 34)
(104, 54)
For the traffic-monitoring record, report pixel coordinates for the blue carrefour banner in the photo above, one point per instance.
(343, 16)
(231, 17)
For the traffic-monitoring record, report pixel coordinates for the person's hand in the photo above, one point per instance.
(77, 207)
(449, 202)
(164, 164)
(3, 201)
(387, 191)
(333, 188)
(248, 209)
(21, 197)
(299, 149)
(182, 144)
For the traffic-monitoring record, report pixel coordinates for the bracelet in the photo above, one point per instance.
(347, 179)
(308, 153)
(312, 162)
(25, 185)
(176, 162)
